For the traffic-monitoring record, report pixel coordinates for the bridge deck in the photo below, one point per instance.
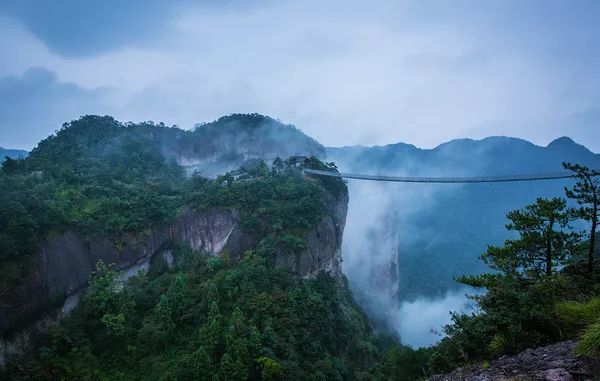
(445, 180)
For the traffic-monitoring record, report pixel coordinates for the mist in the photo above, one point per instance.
(420, 322)
(406, 243)
(379, 222)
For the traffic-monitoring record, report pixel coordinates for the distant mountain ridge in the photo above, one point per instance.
(12, 153)
(439, 231)
(460, 151)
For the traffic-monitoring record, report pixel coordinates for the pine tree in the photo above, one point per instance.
(543, 242)
(586, 192)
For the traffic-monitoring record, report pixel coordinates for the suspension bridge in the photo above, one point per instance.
(445, 180)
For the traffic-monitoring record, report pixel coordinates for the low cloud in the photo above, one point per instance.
(420, 322)
(37, 103)
(82, 28)
(412, 71)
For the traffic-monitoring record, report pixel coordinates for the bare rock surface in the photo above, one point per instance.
(550, 363)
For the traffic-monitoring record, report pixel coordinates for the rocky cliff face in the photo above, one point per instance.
(551, 363)
(62, 266)
(324, 243)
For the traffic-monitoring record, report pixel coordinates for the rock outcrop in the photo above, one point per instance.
(62, 266)
(551, 363)
(323, 243)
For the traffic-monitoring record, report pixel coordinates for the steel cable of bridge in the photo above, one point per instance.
(445, 180)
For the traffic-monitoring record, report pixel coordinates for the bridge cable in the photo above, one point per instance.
(445, 180)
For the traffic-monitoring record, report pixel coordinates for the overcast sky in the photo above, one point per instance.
(345, 72)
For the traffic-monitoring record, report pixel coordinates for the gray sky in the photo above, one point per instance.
(345, 72)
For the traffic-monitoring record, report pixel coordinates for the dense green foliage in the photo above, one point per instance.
(104, 178)
(260, 134)
(95, 176)
(208, 321)
(210, 318)
(207, 318)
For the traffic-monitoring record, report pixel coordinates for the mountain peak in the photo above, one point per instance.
(246, 121)
(563, 141)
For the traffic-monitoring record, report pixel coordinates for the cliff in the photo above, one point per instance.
(61, 267)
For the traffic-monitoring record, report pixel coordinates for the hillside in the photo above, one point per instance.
(103, 180)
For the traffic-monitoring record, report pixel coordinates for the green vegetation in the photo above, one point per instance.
(95, 176)
(212, 318)
(278, 205)
(260, 133)
(208, 320)
(100, 177)
(586, 192)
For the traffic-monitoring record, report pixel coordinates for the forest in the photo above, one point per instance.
(205, 318)
(208, 318)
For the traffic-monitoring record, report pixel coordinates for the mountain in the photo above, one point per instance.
(12, 153)
(244, 268)
(431, 233)
(98, 181)
(130, 251)
(210, 149)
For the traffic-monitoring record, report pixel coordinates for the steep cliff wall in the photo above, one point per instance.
(64, 262)
(324, 243)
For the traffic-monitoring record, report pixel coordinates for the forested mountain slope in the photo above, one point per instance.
(102, 191)
(238, 277)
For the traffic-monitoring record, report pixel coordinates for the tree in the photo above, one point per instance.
(101, 296)
(586, 192)
(177, 298)
(542, 244)
(269, 368)
(12, 166)
(278, 164)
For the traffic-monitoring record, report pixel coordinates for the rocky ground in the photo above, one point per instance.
(550, 363)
